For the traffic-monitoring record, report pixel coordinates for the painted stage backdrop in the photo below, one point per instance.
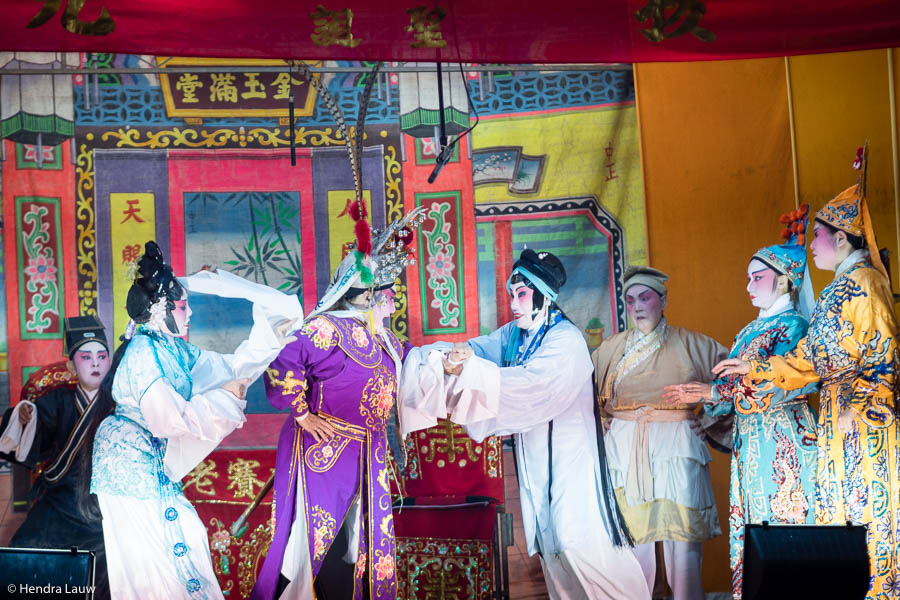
(201, 163)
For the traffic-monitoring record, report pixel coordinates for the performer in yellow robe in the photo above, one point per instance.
(851, 347)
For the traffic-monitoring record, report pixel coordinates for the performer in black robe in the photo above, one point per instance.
(64, 512)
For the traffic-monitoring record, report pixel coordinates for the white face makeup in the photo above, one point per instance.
(522, 305)
(91, 364)
(182, 315)
(762, 284)
(645, 307)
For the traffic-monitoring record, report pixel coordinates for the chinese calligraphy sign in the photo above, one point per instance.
(233, 94)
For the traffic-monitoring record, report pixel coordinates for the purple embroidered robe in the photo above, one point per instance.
(342, 372)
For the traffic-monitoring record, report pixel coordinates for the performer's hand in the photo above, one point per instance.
(689, 394)
(461, 352)
(846, 420)
(209, 268)
(731, 366)
(283, 328)
(451, 369)
(25, 414)
(454, 361)
(238, 387)
(316, 426)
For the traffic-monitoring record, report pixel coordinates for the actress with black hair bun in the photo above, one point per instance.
(174, 403)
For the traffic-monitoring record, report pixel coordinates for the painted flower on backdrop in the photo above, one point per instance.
(439, 265)
(46, 153)
(40, 269)
(429, 148)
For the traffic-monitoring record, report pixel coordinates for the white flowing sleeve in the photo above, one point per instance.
(193, 428)
(427, 394)
(490, 347)
(531, 394)
(17, 438)
(250, 359)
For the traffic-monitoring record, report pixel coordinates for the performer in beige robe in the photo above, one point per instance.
(658, 458)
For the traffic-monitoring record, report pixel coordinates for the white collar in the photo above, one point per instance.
(539, 320)
(535, 326)
(782, 304)
(855, 257)
(638, 334)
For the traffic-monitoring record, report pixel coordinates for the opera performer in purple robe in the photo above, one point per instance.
(339, 381)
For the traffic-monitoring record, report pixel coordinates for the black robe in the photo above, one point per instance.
(55, 520)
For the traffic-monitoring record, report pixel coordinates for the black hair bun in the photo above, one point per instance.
(155, 280)
(544, 265)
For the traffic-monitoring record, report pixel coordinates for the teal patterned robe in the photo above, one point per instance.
(773, 466)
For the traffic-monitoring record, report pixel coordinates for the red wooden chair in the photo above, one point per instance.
(45, 379)
(451, 526)
(39, 382)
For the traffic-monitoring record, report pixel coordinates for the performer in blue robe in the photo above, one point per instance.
(773, 465)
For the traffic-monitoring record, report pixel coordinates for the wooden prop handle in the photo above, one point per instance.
(240, 526)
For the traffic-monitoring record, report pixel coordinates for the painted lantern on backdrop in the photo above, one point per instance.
(419, 102)
(37, 109)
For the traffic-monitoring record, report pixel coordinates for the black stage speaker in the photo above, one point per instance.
(805, 561)
(39, 573)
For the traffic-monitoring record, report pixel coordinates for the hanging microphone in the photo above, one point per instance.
(291, 129)
(442, 159)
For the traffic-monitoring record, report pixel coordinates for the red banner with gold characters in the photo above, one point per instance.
(453, 553)
(503, 31)
(221, 488)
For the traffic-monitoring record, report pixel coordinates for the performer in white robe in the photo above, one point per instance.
(532, 379)
(173, 404)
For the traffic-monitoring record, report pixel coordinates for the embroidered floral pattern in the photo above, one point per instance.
(378, 397)
(368, 355)
(384, 566)
(220, 540)
(361, 565)
(321, 332)
(321, 456)
(789, 503)
(324, 530)
(360, 338)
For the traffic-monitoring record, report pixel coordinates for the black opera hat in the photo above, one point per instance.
(81, 330)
